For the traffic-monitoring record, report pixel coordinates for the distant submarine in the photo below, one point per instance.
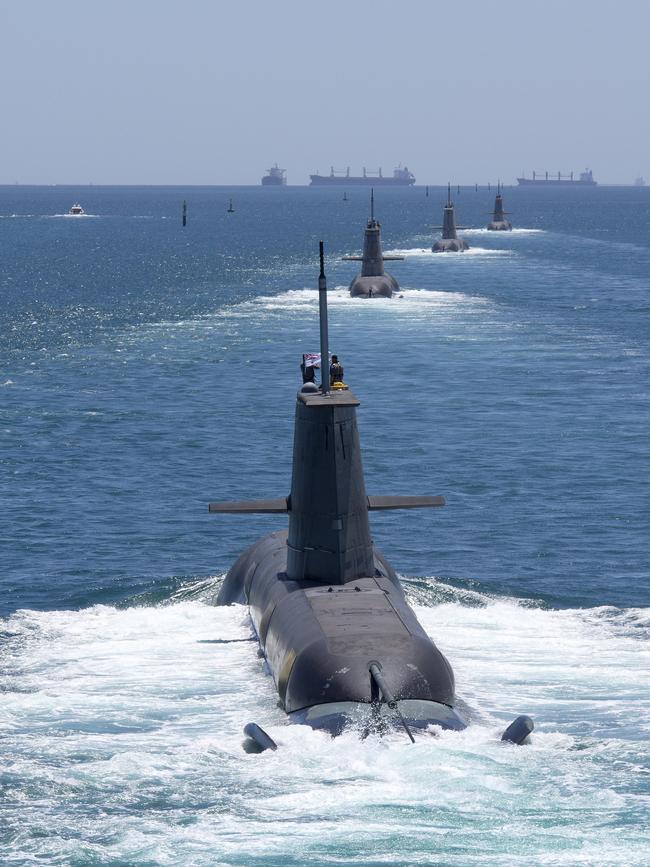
(343, 646)
(450, 242)
(373, 282)
(499, 222)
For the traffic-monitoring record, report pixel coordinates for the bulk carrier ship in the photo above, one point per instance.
(402, 177)
(586, 179)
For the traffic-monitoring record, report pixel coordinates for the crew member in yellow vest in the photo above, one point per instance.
(336, 370)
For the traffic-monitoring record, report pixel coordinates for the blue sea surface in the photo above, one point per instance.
(147, 368)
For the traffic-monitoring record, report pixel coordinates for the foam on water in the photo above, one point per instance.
(406, 302)
(472, 252)
(510, 233)
(340, 296)
(122, 734)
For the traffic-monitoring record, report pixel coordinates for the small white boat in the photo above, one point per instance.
(76, 210)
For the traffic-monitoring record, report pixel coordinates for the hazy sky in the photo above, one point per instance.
(212, 92)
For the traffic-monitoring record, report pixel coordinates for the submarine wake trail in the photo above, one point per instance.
(124, 726)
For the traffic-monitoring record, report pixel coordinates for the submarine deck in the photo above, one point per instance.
(332, 398)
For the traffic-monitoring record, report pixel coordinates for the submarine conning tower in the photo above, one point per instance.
(329, 532)
(499, 222)
(372, 259)
(450, 242)
(373, 282)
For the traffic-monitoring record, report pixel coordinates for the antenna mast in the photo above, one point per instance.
(322, 313)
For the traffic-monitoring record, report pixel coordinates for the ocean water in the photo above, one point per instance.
(146, 369)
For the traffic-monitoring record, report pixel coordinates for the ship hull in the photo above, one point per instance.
(273, 182)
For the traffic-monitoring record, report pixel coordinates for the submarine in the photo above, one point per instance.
(341, 642)
(450, 242)
(498, 222)
(373, 282)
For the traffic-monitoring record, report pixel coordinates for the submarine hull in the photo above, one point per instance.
(319, 640)
(381, 286)
(450, 245)
(499, 226)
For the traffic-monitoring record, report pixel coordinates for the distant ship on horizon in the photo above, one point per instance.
(401, 177)
(586, 179)
(274, 177)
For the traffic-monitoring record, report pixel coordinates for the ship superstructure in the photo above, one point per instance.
(275, 177)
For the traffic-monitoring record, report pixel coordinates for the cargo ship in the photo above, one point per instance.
(586, 179)
(274, 177)
(401, 177)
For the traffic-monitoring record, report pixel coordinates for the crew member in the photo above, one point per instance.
(336, 370)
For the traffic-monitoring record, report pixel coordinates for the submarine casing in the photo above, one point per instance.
(319, 639)
(450, 245)
(323, 601)
(379, 286)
